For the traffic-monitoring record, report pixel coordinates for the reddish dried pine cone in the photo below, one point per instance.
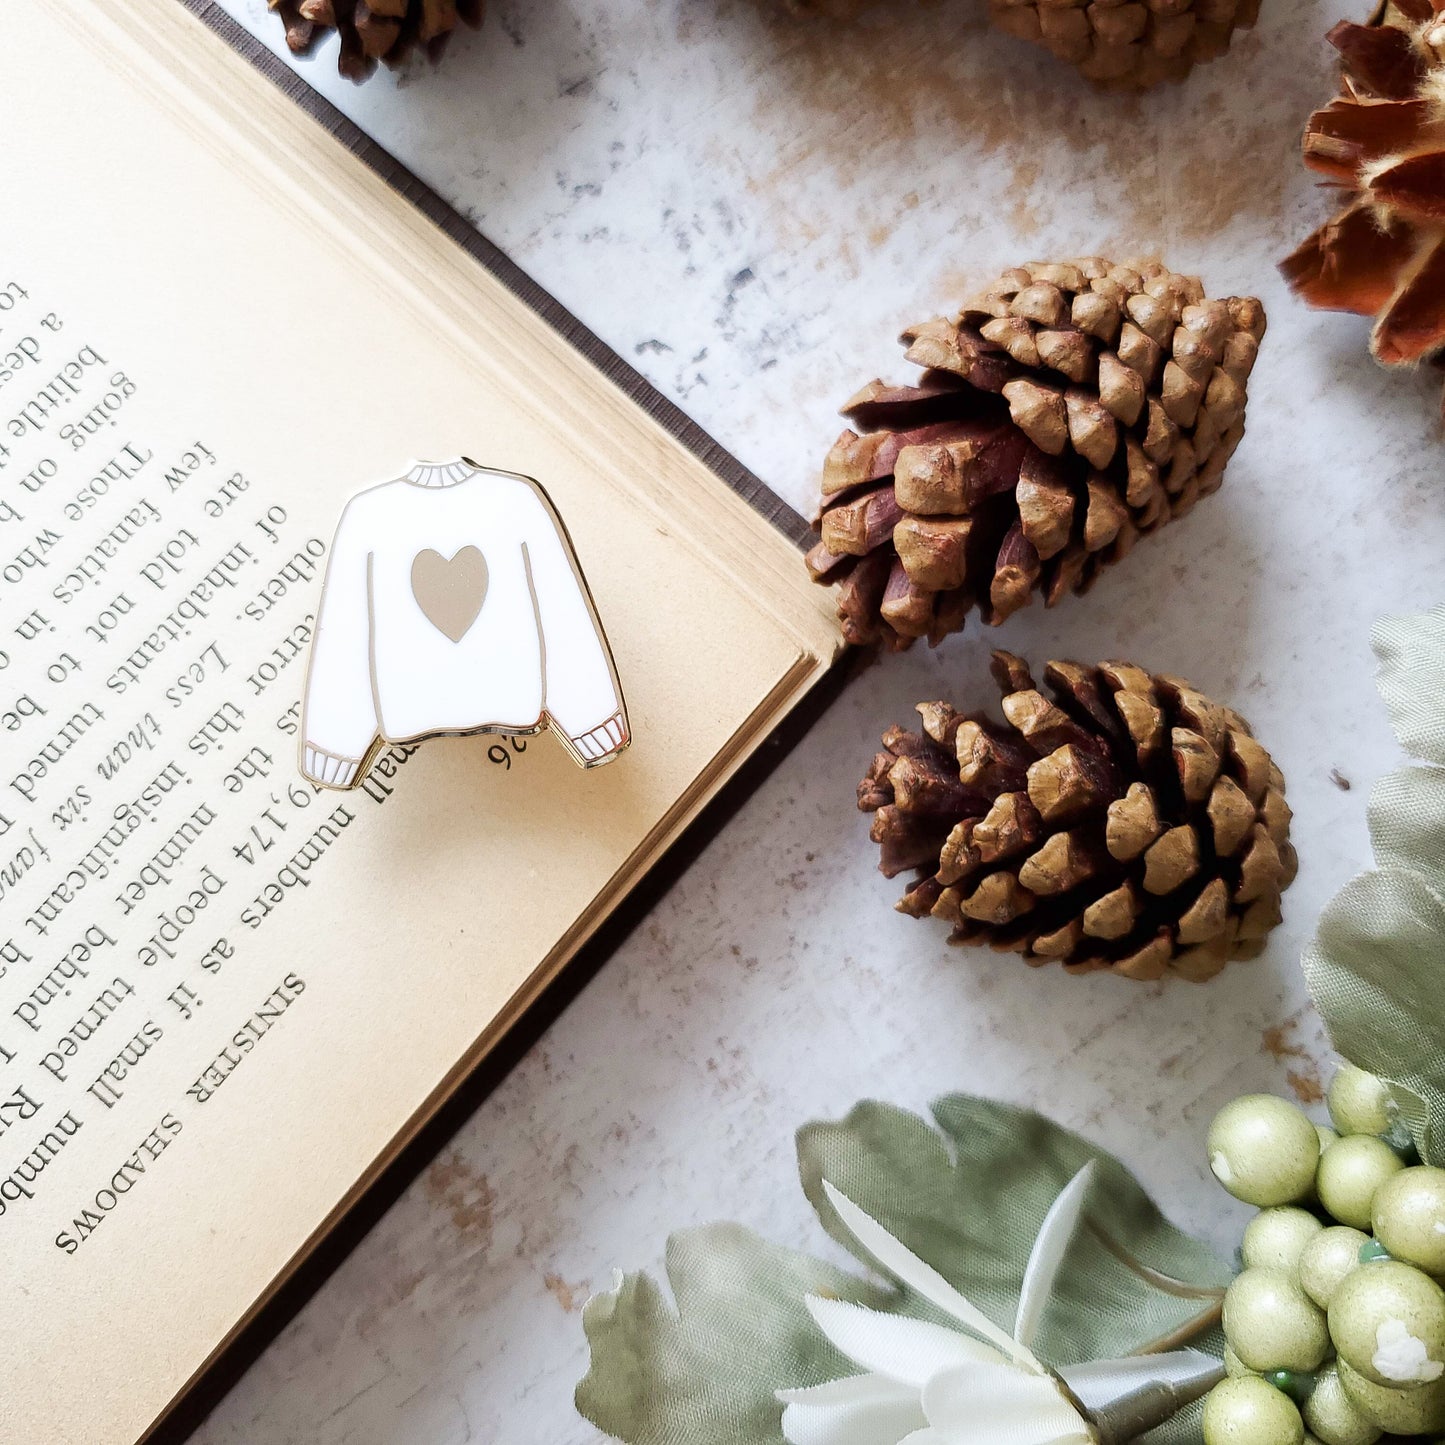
(1066, 412)
(1131, 824)
(1381, 144)
(376, 30)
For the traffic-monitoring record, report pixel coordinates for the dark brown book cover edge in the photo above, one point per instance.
(464, 234)
(190, 1409)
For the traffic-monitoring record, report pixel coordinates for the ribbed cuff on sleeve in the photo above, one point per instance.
(328, 769)
(603, 741)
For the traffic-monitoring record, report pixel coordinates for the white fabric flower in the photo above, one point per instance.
(929, 1384)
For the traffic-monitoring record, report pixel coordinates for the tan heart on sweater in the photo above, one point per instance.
(450, 592)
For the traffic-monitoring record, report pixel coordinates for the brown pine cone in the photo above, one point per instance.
(1067, 411)
(1382, 145)
(1118, 44)
(1125, 44)
(372, 30)
(1131, 824)
(1062, 415)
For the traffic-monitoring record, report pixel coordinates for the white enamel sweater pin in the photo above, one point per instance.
(454, 604)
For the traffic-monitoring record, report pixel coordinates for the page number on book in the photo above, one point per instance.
(501, 753)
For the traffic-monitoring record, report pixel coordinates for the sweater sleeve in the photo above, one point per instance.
(580, 691)
(339, 722)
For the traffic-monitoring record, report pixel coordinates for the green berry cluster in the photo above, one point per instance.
(1335, 1327)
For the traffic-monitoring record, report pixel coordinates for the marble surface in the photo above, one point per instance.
(749, 207)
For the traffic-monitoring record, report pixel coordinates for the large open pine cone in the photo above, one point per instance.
(1064, 413)
(372, 30)
(1131, 824)
(1126, 44)
(1382, 143)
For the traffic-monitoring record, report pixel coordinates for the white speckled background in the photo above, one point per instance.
(749, 208)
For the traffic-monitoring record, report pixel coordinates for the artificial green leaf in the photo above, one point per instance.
(1412, 680)
(1375, 969)
(1407, 822)
(705, 1372)
(1377, 963)
(968, 1197)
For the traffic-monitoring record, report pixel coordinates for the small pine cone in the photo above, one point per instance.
(1063, 414)
(1125, 44)
(372, 30)
(1131, 824)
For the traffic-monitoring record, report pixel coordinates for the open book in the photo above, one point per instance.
(230, 996)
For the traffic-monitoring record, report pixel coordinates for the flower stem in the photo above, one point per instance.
(1167, 1283)
(1189, 1330)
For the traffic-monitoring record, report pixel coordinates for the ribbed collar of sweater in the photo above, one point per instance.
(440, 474)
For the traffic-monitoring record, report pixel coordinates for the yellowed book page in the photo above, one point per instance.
(224, 994)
